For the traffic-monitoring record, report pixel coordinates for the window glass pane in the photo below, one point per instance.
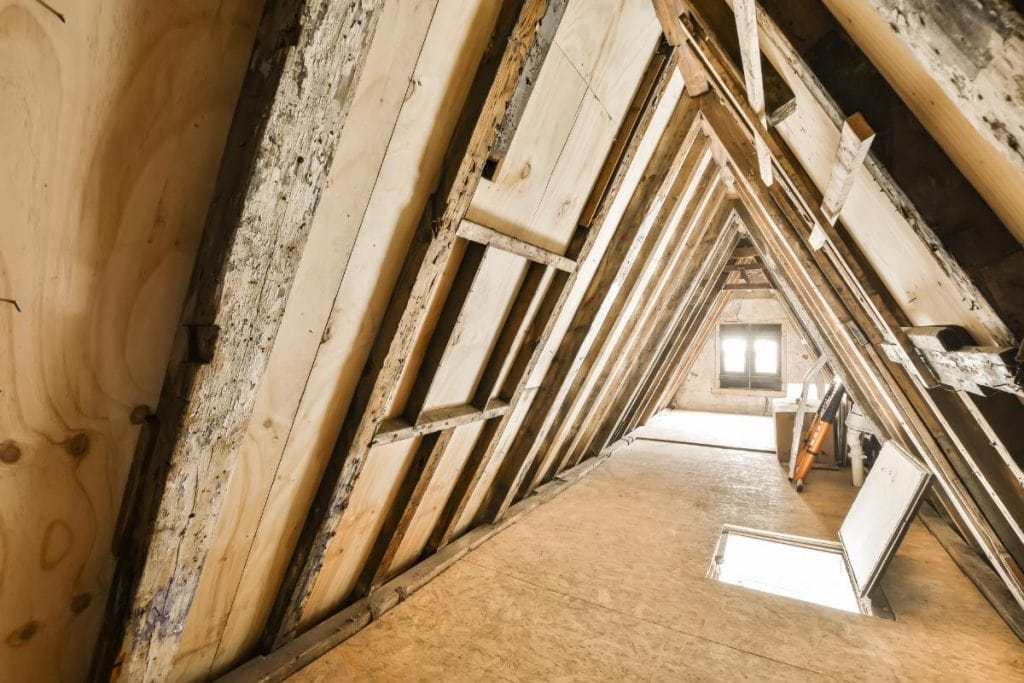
(734, 354)
(766, 356)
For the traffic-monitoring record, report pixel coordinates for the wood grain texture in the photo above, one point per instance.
(301, 81)
(112, 126)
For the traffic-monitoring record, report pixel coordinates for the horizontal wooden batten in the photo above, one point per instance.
(397, 429)
(481, 234)
(744, 286)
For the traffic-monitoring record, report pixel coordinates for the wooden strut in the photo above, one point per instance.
(495, 82)
(295, 98)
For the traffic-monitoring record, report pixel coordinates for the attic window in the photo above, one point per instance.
(750, 357)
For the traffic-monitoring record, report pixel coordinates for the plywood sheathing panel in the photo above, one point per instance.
(112, 125)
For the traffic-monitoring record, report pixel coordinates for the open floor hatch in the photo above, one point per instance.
(842, 574)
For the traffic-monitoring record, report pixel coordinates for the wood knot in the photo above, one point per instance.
(78, 445)
(9, 452)
(80, 603)
(23, 633)
(139, 414)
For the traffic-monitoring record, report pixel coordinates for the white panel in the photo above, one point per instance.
(880, 514)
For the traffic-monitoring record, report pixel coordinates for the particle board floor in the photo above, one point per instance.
(607, 581)
(725, 430)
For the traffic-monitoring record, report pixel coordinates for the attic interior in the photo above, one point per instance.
(511, 340)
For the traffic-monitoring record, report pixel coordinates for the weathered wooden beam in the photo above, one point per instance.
(957, 363)
(306, 62)
(546, 30)
(439, 419)
(494, 84)
(483, 235)
(743, 268)
(854, 142)
(779, 100)
(750, 53)
(695, 80)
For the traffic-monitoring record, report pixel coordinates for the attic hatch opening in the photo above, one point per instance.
(842, 575)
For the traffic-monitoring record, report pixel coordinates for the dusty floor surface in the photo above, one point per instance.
(607, 582)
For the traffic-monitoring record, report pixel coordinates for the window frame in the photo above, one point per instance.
(748, 380)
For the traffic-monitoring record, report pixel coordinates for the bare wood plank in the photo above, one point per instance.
(512, 333)
(445, 329)
(854, 142)
(750, 53)
(746, 286)
(403, 509)
(495, 81)
(307, 59)
(546, 30)
(483, 235)
(439, 419)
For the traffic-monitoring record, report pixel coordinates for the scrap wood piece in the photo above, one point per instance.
(854, 142)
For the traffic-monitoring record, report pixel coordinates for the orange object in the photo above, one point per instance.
(814, 441)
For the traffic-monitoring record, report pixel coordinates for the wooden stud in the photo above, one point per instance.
(483, 235)
(436, 420)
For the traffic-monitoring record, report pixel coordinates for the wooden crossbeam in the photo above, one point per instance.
(397, 429)
(746, 286)
(694, 79)
(496, 80)
(294, 102)
(854, 142)
(483, 235)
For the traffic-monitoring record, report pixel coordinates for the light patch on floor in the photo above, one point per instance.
(608, 581)
(747, 432)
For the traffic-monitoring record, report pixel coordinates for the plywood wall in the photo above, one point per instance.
(112, 124)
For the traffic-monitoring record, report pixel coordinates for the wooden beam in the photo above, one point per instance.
(959, 364)
(494, 84)
(746, 286)
(546, 29)
(483, 235)
(750, 53)
(295, 99)
(397, 429)
(854, 142)
(695, 80)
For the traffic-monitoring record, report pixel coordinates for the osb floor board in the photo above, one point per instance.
(748, 432)
(607, 581)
